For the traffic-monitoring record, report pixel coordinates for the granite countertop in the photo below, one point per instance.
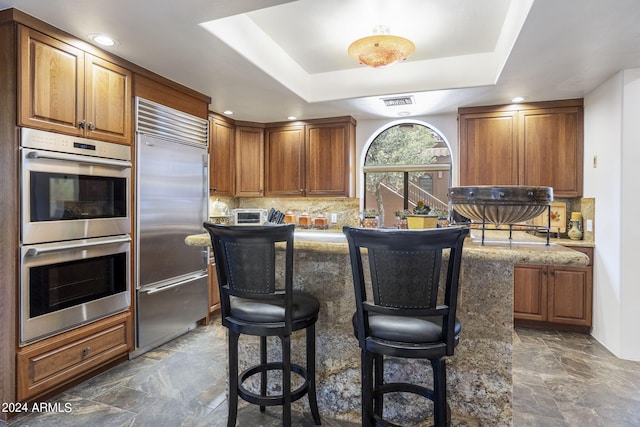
(523, 248)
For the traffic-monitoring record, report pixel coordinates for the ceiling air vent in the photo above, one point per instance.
(398, 101)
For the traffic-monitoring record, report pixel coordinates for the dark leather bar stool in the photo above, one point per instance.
(402, 317)
(253, 303)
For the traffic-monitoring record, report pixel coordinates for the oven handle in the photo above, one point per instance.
(82, 159)
(62, 247)
(154, 290)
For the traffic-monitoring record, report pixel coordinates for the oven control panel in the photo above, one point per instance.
(42, 140)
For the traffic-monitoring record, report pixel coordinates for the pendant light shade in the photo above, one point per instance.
(381, 49)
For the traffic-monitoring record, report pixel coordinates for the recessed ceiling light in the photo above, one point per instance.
(291, 118)
(518, 99)
(103, 39)
(228, 112)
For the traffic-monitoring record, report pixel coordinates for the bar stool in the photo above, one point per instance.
(401, 317)
(253, 303)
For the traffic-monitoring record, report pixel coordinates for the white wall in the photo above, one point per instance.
(445, 124)
(612, 133)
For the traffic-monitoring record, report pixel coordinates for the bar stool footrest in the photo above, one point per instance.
(277, 399)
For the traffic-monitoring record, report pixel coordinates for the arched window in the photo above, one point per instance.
(405, 164)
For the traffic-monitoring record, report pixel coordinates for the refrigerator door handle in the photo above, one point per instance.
(205, 175)
(154, 290)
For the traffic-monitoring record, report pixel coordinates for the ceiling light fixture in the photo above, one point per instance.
(518, 99)
(227, 112)
(381, 49)
(291, 118)
(103, 40)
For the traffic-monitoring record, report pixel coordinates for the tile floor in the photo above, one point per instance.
(560, 379)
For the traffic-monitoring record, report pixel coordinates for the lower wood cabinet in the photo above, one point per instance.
(61, 359)
(214, 293)
(554, 296)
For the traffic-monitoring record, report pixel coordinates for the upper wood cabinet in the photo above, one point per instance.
(488, 152)
(328, 159)
(552, 149)
(222, 157)
(315, 159)
(284, 155)
(537, 144)
(249, 161)
(63, 89)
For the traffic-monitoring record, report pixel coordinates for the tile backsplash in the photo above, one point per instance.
(346, 210)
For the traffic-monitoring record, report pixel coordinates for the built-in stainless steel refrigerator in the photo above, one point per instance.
(171, 203)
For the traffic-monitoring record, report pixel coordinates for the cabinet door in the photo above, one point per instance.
(530, 292)
(488, 148)
(51, 83)
(214, 292)
(249, 162)
(552, 149)
(327, 160)
(222, 159)
(61, 359)
(285, 161)
(108, 102)
(570, 295)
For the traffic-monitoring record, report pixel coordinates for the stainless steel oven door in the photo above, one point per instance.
(66, 195)
(67, 284)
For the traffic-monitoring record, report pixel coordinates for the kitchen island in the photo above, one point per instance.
(479, 374)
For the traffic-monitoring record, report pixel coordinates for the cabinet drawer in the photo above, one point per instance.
(60, 359)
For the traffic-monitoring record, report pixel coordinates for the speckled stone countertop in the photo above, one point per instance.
(523, 247)
(479, 374)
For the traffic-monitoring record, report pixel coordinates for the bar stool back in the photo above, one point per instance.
(397, 311)
(254, 303)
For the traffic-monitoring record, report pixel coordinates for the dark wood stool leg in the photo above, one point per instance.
(379, 380)
(233, 379)
(311, 371)
(367, 388)
(286, 380)
(263, 375)
(439, 392)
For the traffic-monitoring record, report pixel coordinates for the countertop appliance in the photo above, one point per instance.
(249, 216)
(171, 203)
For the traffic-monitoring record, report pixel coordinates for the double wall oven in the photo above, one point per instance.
(75, 232)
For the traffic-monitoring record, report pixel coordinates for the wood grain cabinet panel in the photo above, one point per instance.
(555, 297)
(530, 292)
(314, 159)
(51, 83)
(250, 161)
(285, 161)
(52, 362)
(536, 144)
(63, 89)
(327, 159)
(553, 149)
(108, 102)
(222, 158)
(214, 292)
(488, 149)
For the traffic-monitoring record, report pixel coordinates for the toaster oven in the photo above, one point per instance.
(249, 216)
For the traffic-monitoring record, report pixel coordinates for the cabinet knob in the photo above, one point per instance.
(92, 126)
(81, 124)
(85, 351)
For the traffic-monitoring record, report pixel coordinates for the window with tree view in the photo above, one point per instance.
(406, 164)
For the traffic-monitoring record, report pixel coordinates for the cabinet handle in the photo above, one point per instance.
(85, 351)
(81, 124)
(92, 126)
